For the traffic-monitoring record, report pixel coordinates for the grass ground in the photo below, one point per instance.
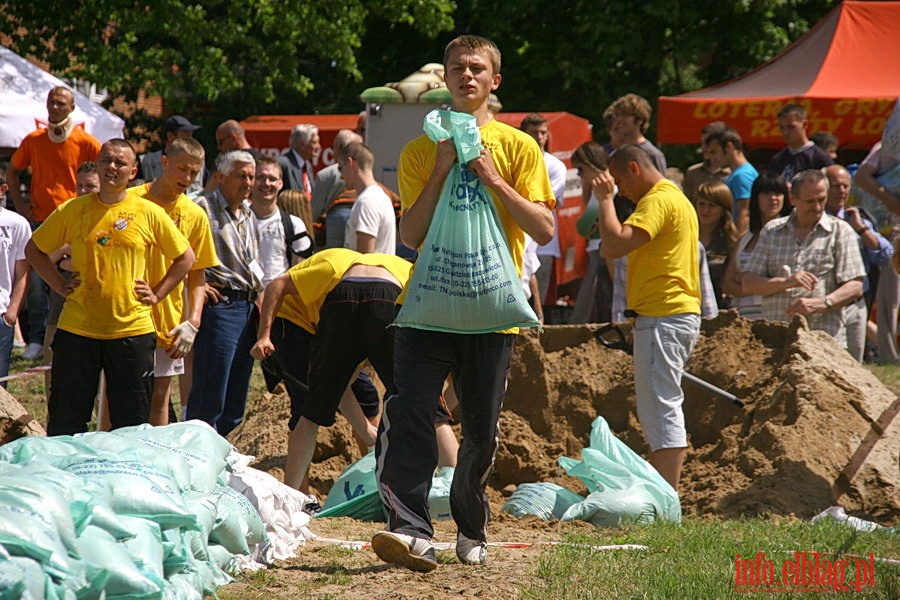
(697, 559)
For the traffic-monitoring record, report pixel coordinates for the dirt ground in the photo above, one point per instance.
(818, 430)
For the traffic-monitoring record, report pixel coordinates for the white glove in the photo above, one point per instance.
(183, 339)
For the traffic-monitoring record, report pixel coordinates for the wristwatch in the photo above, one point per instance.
(828, 303)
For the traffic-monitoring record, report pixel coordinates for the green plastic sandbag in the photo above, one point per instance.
(465, 280)
(624, 487)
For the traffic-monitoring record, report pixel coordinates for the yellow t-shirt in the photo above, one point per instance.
(110, 246)
(519, 162)
(192, 222)
(664, 273)
(395, 265)
(314, 278)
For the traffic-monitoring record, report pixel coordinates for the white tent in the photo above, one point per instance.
(23, 103)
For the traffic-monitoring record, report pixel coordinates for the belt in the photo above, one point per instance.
(238, 294)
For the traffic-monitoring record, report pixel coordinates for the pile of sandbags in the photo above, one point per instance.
(140, 512)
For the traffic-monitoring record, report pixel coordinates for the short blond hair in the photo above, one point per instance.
(475, 43)
(187, 146)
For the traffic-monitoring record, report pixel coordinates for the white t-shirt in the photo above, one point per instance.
(272, 255)
(373, 214)
(14, 234)
(556, 169)
(530, 264)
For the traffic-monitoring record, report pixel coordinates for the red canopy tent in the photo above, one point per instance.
(842, 71)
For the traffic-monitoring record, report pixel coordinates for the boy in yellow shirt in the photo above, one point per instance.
(106, 322)
(324, 316)
(511, 168)
(177, 323)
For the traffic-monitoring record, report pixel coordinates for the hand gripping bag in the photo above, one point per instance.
(465, 280)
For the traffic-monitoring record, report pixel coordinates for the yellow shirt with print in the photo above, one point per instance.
(110, 247)
(519, 161)
(192, 222)
(664, 273)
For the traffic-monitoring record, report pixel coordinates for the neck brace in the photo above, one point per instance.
(59, 132)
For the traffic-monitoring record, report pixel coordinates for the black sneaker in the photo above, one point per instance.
(407, 551)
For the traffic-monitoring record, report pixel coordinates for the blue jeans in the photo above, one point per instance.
(335, 224)
(38, 300)
(222, 364)
(6, 345)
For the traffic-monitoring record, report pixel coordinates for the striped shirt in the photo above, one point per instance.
(237, 244)
(830, 252)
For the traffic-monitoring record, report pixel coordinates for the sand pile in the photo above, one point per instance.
(818, 428)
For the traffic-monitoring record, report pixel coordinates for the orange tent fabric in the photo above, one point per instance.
(842, 70)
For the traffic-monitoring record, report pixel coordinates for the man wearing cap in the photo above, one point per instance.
(150, 166)
(53, 154)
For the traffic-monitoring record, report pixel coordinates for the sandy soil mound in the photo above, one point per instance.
(818, 428)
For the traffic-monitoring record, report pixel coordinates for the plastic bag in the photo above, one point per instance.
(355, 493)
(127, 580)
(279, 506)
(623, 486)
(133, 488)
(237, 525)
(465, 279)
(545, 500)
(193, 442)
(439, 496)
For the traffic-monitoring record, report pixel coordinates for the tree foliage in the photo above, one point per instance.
(222, 59)
(212, 57)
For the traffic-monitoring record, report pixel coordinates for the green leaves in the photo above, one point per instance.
(243, 55)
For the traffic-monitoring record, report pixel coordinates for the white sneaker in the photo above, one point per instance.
(470, 552)
(405, 550)
(34, 351)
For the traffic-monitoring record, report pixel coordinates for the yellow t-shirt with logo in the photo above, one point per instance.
(192, 222)
(316, 276)
(664, 274)
(518, 160)
(110, 247)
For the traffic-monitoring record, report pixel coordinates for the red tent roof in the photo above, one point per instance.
(842, 70)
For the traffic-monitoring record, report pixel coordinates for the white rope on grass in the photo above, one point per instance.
(362, 545)
(31, 371)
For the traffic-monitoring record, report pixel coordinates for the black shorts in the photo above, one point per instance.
(353, 326)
